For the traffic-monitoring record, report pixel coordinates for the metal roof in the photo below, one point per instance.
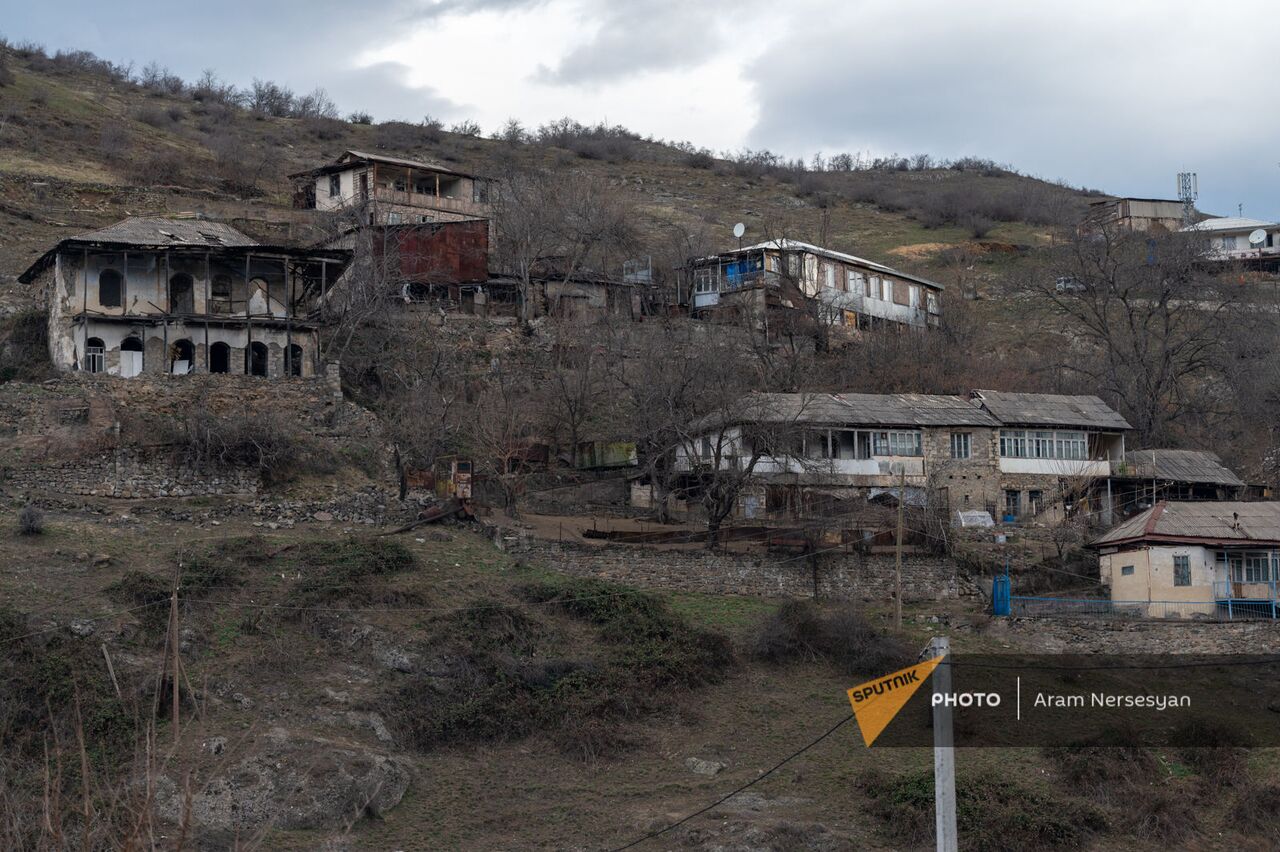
(797, 245)
(352, 156)
(1179, 466)
(1048, 409)
(171, 232)
(1207, 523)
(1230, 223)
(853, 409)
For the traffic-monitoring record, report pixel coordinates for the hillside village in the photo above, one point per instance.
(410, 461)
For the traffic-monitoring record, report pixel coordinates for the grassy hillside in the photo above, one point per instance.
(80, 147)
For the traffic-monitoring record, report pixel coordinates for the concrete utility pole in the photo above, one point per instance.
(897, 569)
(944, 753)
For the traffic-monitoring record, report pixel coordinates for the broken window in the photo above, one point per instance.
(335, 186)
(95, 355)
(110, 288)
(219, 358)
(181, 295)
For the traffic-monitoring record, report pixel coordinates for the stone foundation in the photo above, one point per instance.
(847, 577)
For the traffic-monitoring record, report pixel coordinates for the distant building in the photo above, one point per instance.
(395, 191)
(1228, 239)
(1146, 477)
(1212, 560)
(183, 296)
(1148, 215)
(833, 288)
(1018, 456)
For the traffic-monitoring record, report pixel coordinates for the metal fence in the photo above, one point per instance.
(1228, 609)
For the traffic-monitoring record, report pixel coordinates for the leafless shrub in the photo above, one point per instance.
(466, 128)
(432, 128)
(240, 165)
(211, 89)
(165, 167)
(800, 631)
(6, 75)
(158, 80)
(399, 136)
(701, 159)
(40, 97)
(266, 98)
(360, 117)
(317, 104)
(30, 520)
(154, 115)
(265, 443)
(513, 132)
(325, 129)
(113, 140)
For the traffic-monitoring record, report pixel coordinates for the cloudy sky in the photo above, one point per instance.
(1118, 96)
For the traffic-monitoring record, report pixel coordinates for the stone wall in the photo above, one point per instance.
(102, 435)
(851, 577)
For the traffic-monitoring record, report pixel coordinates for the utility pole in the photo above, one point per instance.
(897, 569)
(173, 644)
(944, 752)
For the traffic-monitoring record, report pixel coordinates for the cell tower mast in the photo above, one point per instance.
(1188, 192)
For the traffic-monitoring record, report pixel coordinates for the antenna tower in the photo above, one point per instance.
(1188, 192)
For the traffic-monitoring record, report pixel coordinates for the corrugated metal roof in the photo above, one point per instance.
(1230, 223)
(1179, 466)
(854, 409)
(1208, 522)
(1047, 409)
(173, 232)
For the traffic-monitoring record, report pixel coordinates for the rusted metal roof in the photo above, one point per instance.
(1204, 523)
(1179, 466)
(1048, 409)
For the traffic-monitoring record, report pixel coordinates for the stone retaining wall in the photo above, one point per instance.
(849, 577)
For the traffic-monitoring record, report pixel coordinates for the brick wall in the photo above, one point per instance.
(850, 577)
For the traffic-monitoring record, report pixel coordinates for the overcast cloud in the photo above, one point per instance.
(1117, 96)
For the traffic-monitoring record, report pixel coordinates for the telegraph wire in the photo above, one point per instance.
(651, 835)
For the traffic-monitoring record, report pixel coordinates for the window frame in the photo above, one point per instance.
(1126, 570)
(1181, 570)
(961, 445)
(335, 186)
(119, 277)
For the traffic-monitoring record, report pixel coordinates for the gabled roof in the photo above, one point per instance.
(168, 232)
(1179, 466)
(797, 245)
(353, 157)
(1199, 523)
(1230, 223)
(852, 409)
(149, 233)
(1048, 409)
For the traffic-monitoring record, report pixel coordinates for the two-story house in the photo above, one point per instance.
(183, 296)
(393, 191)
(1017, 456)
(836, 289)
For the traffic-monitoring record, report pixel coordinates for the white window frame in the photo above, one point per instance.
(962, 445)
(896, 443)
(830, 275)
(1181, 570)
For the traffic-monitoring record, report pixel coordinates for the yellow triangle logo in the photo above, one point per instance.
(876, 702)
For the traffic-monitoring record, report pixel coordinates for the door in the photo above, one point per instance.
(130, 357)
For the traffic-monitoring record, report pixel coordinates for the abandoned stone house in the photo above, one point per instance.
(179, 296)
(1021, 457)
(392, 191)
(837, 290)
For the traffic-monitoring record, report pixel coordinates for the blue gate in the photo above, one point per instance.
(1000, 595)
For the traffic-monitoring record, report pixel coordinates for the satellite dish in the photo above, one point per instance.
(739, 229)
(1258, 237)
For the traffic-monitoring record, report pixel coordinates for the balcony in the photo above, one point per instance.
(429, 201)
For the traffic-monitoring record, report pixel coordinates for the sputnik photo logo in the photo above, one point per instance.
(876, 702)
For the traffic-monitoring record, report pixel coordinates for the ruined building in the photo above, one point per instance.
(183, 296)
(391, 190)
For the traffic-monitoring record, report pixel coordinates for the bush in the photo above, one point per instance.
(262, 442)
(1256, 809)
(1103, 769)
(24, 348)
(799, 631)
(6, 75)
(1161, 815)
(466, 128)
(992, 812)
(700, 160)
(353, 570)
(1216, 751)
(398, 136)
(154, 115)
(30, 520)
(360, 118)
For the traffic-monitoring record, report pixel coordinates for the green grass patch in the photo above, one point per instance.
(353, 570)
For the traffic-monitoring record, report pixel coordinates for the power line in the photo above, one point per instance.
(735, 792)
